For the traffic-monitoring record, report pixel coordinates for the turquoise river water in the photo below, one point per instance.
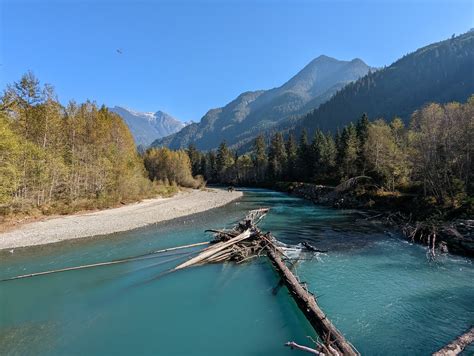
(380, 291)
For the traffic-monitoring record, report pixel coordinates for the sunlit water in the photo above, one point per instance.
(379, 290)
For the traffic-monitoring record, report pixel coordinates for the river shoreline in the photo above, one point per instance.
(115, 220)
(401, 212)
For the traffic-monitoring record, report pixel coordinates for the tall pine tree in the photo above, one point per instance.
(277, 157)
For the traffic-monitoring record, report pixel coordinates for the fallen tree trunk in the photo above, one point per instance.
(331, 337)
(456, 346)
(145, 256)
(310, 247)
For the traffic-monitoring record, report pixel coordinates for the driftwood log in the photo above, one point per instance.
(242, 242)
(146, 256)
(239, 244)
(246, 240)
(332, 338)
(456, 346)
(215, 250)
(351, 183)
(294, 345)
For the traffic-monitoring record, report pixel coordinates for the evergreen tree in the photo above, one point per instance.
(224, 161)
(328, 156)
(203, 165)
(316, 151)
(259, 158)
(362, 128)
(303, 157)
(277, 157)
(244, 169)
(292, 158)
(195, 158)
(350, 151)
(340, 148)
(211, 167)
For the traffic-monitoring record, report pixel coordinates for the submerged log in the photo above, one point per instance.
(294, 345)
(456, 346)
(310, 247)
(243, 242)
(333, 339)
(145, 256)
(249, 242)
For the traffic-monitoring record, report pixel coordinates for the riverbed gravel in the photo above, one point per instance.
(115, 220)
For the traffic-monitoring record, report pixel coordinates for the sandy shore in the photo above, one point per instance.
(115, 220)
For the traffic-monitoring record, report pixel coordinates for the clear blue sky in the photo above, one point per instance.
(185, 57)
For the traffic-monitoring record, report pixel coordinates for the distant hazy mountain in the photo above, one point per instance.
(253, 112)
(440, 72)
(146, 127)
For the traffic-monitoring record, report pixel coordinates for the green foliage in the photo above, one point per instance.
(277, 157)
(441, 72)
(441, 141)
(385, 157)
(258, 112)
(225, 160)
(304, 157)
(196, 160)
(292, 157)
(316, 150)
(244, 168)
(61, 159)
(327, 158)
(172, 167)
(10, 149)
(350, 147)
(434, 153)
(260, 158)
(57, 159)
(362, 129)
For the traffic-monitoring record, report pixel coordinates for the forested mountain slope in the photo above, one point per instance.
(441, 72)
(251, 113)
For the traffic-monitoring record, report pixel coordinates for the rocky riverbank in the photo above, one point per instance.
(116, 220)
(404, 211)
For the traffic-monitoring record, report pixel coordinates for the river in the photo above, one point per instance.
(382, 292)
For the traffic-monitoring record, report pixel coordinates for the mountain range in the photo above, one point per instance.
(328, 93)
(148, 126)
(254, 112)
(440, 72)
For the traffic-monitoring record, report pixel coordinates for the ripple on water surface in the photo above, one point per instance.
(381, 291)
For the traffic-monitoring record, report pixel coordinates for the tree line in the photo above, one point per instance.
(440, 72)
(432, 156)
(61, 159)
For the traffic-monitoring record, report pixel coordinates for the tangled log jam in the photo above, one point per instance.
(245, 241)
